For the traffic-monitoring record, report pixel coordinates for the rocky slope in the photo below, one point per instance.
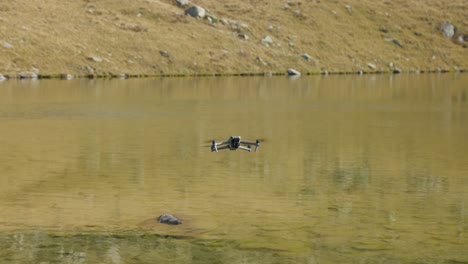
(171, 37)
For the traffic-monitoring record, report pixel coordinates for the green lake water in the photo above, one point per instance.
(351, 169)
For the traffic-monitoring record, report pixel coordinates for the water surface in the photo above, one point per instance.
(369, 169)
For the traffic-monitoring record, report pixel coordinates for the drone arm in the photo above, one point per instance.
(244, 148)
(221, 143)
(256, 143)
(214, 145)
(223, 147)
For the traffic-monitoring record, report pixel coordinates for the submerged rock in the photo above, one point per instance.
(169, 219)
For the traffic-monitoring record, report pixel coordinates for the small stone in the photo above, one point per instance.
(2, 78)
(211, 18)
(397, 71)
(28, 75)
(262, 61)
(169, 219)
(394, 41)
(371, 66)
(66, 76)
(462, 38)
(6, 45)
(165, 53)
(243, 36)
(267, 40)
(182, 2)
(306, 57)
(448, 30)
(89, 69)
(293, 72)
(349, 8)
(196, 11)
(95, 59)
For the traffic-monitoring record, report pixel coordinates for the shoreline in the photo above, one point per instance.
(34, 76)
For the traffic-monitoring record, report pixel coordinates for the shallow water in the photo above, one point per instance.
(369, 169)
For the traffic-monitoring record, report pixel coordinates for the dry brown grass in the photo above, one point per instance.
(58, 37)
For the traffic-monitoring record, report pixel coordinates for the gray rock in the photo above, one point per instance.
(267, 40)
(371, 66)
(349, 8)
(66, 76)
(165, 53)
(28, 75)
(262, 61)
(293, 72)
(195, 11)
(2, 78)
(182, 2)
(95, 59)
(6, 45)
(169, 219)
(243, 36)
(448, 30)
(306, 57)
(89, 69)
(462, 38)
(211, 18)
(394, 41)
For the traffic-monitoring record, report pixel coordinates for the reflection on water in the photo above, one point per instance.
(354, 168)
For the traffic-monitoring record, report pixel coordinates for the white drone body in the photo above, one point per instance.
(234, 143)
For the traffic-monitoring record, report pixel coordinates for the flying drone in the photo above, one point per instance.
(234, 143)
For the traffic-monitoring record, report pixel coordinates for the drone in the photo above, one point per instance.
(234, 143)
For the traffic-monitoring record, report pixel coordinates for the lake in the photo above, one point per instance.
(368, 169)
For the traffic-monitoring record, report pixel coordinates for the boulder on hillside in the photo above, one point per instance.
(196, 11)
(6, 45)
(306, 57)
(267, 40)
(448, 30)
(371, 66)
(182, 2)
(293, 72)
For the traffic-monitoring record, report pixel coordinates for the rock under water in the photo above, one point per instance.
(169, 219)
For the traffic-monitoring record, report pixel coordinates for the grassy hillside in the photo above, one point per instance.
(110, 37)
